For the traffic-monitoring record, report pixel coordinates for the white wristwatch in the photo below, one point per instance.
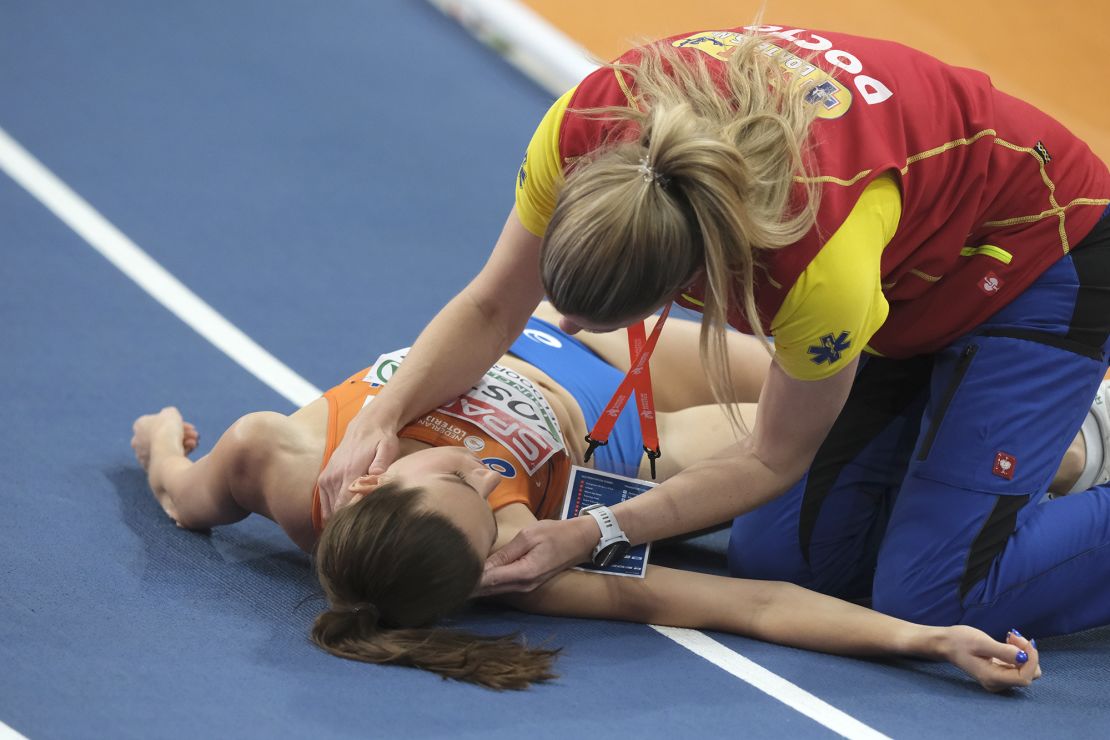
(614, 543)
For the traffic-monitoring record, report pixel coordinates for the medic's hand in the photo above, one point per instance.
(537, 553)
(368, 446)
(997, 666)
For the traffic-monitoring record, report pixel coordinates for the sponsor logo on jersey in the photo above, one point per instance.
(382, 371)
(833, 98)
(442, 428)
(530, 446)
(501, 466)
(542, 337)
(503, 404)
(474, 444)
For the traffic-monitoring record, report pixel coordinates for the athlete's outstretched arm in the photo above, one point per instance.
(464, 339)
(781, 613)
(772, 611)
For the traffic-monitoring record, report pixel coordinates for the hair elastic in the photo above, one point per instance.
(652, 175)
(361, 608)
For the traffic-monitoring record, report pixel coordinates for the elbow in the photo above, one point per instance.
(786, 465)
(761, 617)
(246, 449)
(503, 316)
(588, 596)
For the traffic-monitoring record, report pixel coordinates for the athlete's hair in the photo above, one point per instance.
(390, 570)
(705, 169)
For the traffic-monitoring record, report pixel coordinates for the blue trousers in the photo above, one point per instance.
(928, 494)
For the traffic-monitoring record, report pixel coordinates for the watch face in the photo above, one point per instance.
(612, 554)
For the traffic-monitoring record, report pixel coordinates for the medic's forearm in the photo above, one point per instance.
(470, 333)
(730, 483)
(448, 357)
(794, 419)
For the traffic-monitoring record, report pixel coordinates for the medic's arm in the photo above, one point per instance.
(464, 339)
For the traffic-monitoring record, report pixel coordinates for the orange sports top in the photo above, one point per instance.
(504, 420)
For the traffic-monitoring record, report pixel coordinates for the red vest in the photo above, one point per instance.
(976, 167)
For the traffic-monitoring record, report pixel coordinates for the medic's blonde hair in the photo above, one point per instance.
(707, 183)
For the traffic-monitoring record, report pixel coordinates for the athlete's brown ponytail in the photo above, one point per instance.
(390, 570)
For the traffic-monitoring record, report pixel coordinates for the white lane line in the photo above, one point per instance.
(7, 733)
(531, 44)
(771, 684)
(132, 261)
(183, 303)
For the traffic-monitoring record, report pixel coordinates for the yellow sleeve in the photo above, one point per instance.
(837, 303)
(541, 174)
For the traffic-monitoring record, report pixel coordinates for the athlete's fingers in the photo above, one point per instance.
(1027, 648)
(1012, 663)
(1002, 652)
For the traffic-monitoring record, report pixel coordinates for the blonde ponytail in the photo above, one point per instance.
(726, 155)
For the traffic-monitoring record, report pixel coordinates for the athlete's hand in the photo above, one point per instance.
(997, 666)
(537, 553)
(368, 447)
(166, 428)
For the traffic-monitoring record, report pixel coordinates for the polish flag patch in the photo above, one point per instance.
(1004, 465)
(990, 283)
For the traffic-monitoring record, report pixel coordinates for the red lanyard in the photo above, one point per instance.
(636, 383)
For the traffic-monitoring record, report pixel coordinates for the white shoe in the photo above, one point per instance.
(1096, 438)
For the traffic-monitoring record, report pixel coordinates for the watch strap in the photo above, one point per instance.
(611, 532)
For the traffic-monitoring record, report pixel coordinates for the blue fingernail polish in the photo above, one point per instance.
(1033, 643)
(1015, 633)
(1021, 657)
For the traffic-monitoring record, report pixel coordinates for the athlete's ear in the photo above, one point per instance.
(367, 483)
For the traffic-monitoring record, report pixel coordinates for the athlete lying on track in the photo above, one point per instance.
(409, 548)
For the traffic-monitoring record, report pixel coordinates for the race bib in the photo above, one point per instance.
(504, 404)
